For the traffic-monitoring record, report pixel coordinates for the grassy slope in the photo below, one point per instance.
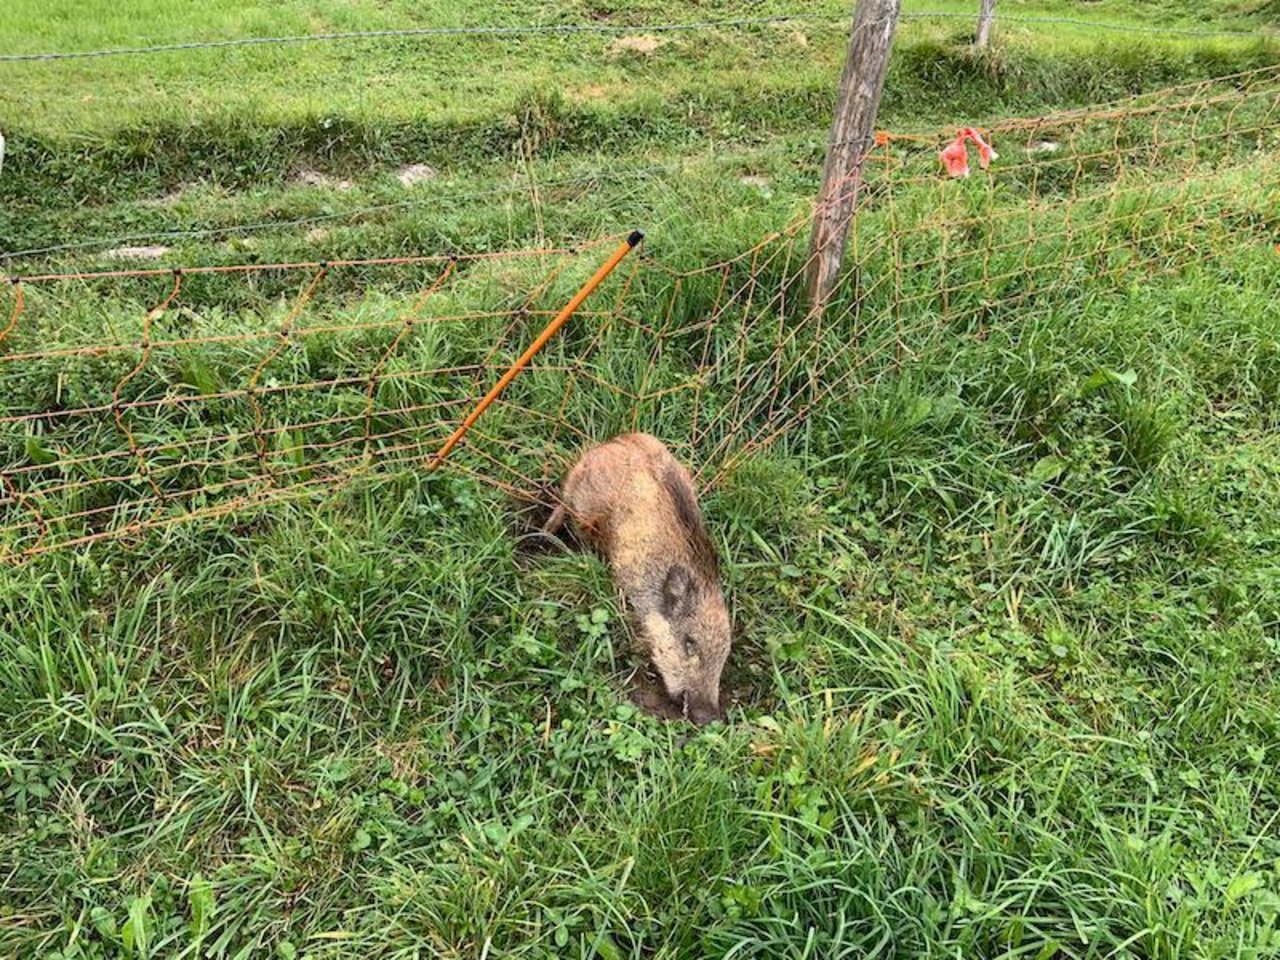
(444, 77)
(212, 129)
(1008, 632)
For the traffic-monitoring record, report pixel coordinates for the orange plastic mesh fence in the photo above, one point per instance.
(146, 399)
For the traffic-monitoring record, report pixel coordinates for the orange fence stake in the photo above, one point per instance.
(556, 323)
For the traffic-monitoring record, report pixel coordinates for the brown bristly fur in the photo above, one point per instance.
(635, 503)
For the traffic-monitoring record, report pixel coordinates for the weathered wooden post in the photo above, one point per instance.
(852, 135)
(986, 14)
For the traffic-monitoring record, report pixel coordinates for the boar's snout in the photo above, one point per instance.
(701, 711)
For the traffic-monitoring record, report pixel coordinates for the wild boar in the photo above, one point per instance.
(634, 502)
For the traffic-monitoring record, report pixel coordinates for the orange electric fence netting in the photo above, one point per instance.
(144, 399)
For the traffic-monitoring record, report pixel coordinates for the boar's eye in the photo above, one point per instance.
(690, 647)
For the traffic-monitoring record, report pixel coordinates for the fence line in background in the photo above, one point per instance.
(494, 32)
(1130, 106)
(505, 189)
(574, 29)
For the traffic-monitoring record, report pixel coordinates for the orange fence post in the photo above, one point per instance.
(556, 323)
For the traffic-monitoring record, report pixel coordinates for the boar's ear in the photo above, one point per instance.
(677, 590)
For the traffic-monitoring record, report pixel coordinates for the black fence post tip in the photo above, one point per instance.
(636, 237)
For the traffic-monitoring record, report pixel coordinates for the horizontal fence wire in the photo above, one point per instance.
(430, 198)
(517, 31)
(289, 266)
(144, 402)
(640, 175)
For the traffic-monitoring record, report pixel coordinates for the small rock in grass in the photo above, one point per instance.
(136, 253)
(314, 178)
(415, 173)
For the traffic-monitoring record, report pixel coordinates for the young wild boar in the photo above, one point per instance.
(635, 503)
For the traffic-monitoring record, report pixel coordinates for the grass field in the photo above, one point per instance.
(1005, 676)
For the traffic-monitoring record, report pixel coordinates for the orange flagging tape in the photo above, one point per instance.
(556, 323)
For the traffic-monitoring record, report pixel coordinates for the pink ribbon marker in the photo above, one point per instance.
(955, 156)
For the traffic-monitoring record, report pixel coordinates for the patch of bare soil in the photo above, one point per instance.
(644, 44)
(647, 693)
(645, 690)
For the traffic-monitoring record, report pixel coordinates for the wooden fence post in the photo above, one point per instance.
(986, 14)
(852, 135)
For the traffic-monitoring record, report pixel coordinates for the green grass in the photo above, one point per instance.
(1004, 679)
(89, 135)
(455, 78)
